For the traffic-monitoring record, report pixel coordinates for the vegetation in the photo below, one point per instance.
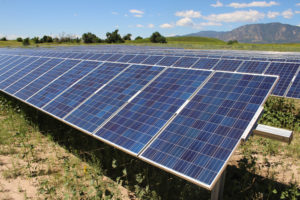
(156, 37)
(114, 37)
(3, 39)
(138, 38)
(19, 39)
(127, 37)
(26, 42)
(90, 38)
(231, 42)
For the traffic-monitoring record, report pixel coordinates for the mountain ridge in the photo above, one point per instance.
(257, 33)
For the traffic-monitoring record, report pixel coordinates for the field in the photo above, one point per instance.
(182, 42)
(41, 158)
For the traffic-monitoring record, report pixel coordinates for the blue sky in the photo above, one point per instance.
(28, 18)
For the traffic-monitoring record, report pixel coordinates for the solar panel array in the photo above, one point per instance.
(183, 113)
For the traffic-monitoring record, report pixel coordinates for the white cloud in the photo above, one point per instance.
(114, 13)
(218, 4)
(139, 16)
(134, 11)
(75, 14)
(288, 14)
(188, 13)
(166, 25)
(253, 4)
(237, 16)
(185, 22)
(11, 37)
(210, 24)
(171, 35)
(151, 26)
(273, 15)
(139, 26)
(297, 4)
(297, 11)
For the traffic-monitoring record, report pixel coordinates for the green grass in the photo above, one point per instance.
(179, 42)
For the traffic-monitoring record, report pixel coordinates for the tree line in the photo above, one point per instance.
(88, 38)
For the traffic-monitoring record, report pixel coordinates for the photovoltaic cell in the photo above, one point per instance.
(45, 79)
(205, 63)
(76, 94)
(168, 61)
(105, 102)
(126, 58)
(253, 67)
(105, 57)
(152, 60)
(138, 59)
(294, 91)
(185, 62)
(134, 126)
(228, 65)
(19, 74)
(11, 63)
(202, 136)
(286, 71)
(115, 57)
(96, 56)
(32, 76)
(59, 85)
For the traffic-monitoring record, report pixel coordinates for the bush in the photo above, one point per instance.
(46, 38)
(3, 39)
(36, 40)
(114, 37)
(231, 42)
(26, 42)
(127, 37)
(138, 38)
(90, 38)
(156, 37)
(19, 39)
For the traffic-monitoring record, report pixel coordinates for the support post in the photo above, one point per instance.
(217, 191)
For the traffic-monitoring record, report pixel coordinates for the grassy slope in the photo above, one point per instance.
(183, 42)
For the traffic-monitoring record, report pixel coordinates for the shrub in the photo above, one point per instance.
(36, 40)
(3, 39)
(138, 38)
(114, 37)
(26, 42)
(90, 38)
(46, 38)
(156, 37)
(19, 39)
(231, 42)
(127, 37)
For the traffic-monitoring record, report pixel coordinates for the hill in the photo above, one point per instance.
(257, 33)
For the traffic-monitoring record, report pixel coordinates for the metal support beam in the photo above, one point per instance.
(217, 191)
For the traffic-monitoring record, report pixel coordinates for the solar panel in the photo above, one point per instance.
(59, 85)
(6, 61)
(115, 57)
(79, 92)
(13, 88)
(185, 62)
(253, 67)
(105, 102)
(45, 79)
(228, 65)
(199, 141)
(152, 60)
(125, 58)
(168, 61)
(286, 71)
(22, 72)
(205, 63)
(9, 64)
(134, 126)
(105, 57)
(138, 59)
(294, 91)
(96, 56)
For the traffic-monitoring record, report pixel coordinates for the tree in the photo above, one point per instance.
(127, 37)
(138, 38)
(26, 42)
(90, 38)
(114, 37)
(156, 37)
(19, 39)
(231, 42)
(3, 39)
(36, 40)
(46, 38)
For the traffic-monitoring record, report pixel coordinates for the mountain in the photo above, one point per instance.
(257, 33)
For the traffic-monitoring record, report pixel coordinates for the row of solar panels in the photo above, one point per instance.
(185, 121)
(79, 54)
(288, 85)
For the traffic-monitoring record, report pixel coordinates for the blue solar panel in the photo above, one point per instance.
(138, 59)
(228, 65)
(45, 79)
(32, 76)
(253, 67)
(96, 56)
(104, 103)
(134, 126)
(76, 94)
(105, 57)
(261, 59)
(294, 91)
(14, 69)
(185, 62)
(6, 61)
(168, 61)
(19, 74)
(125, 58)
(286, 71)
(59, 85)
(198, 143)
(152, 60)
(2, 58)
(9, 64)
(205, 63)
(115, 57)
